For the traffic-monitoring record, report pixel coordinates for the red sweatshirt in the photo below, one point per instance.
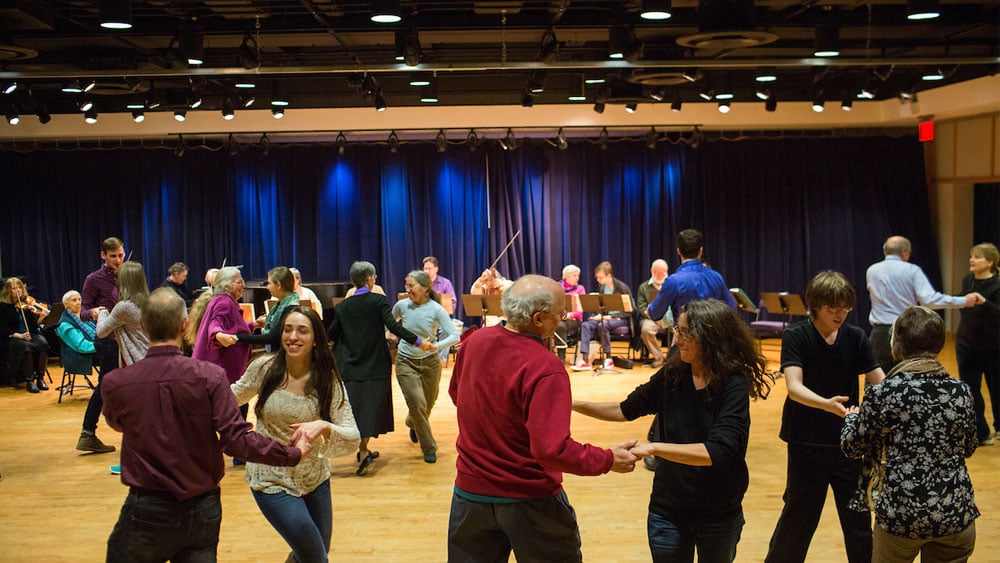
(514, 404)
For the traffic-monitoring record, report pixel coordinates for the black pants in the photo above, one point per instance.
(152, 527)
(107, 356)
(881, 346)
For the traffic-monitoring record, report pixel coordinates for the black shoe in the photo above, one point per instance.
(366, 463)
(413, 436)
(32, 388)
(40, 383)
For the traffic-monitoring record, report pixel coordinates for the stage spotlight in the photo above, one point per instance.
(599, 107)
(510, 141)
(181, 146)
(380, 104)
(180, 114)
(265, 145)
(561, 140)
(43, 114)
(341, 143)
(549, 50)
(675, 106)
(89, 85)
(90, 116)
(817, 104)
(411, 49)
(12, 117)
(393, 142)
(72, 87)
(527, 100)
(631, 107)
(386, 11)
(86, 104)
(249, 54)
(763, 93)
(724, 106)
(847, 104)
(655, 10)
(11, 87)
(771, 104)
(116, 14)
(428, 94)
(194, 101)
(602, 140)
(472, 140)
(191, 41)
(441, 141)
(827, 41)
(138, 116)
(232, 147)
(228, 112)
(651, 138)
(248, 101)
(278, 113)
(923, 9)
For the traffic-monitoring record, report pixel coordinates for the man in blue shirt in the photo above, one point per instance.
(691, 281)
(894, 284)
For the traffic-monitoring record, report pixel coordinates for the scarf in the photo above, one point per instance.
(89, 328)
(872, 477)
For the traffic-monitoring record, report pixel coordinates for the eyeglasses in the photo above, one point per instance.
(839, 310)
(682, 333)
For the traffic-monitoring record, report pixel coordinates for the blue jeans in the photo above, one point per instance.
(155, 528)
(304, 522)
(715, 542)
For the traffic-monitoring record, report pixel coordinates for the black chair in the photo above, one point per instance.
(74, 364)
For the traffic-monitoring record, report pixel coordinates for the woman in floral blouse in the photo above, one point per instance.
(922, 421)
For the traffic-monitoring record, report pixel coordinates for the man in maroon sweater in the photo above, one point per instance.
(513, 400)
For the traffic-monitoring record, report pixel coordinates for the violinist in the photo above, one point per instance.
(490, 282)
(27, 349)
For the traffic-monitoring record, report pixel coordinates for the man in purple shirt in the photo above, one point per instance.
(178, 417)
(440, 284)
(100, 291)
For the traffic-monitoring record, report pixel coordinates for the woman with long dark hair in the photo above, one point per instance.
(300, 393)
(702, 396)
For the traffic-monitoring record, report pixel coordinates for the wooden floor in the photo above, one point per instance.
(60, 505)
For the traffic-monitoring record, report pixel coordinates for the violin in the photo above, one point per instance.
(35, 306)
(491, 285)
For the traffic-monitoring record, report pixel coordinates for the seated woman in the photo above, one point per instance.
(280, 282)
(77, 336)
(27, 349)
(568, 331)
(913, 432)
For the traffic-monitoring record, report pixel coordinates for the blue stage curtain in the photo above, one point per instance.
(774, 212)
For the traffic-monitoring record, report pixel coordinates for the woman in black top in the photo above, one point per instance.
(27, 350)
(977, 341)
(702, 396)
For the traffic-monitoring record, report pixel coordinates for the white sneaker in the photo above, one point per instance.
(582, 366)
(609, 363)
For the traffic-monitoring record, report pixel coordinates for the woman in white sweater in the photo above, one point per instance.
(124, 319)
(299, 393)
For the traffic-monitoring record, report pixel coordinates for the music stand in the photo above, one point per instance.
(477, 305)
(601, 303)
(743, 302)
(788, 303)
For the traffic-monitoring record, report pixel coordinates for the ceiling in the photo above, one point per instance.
(329, 54)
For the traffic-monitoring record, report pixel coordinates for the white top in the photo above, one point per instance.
(282, 409)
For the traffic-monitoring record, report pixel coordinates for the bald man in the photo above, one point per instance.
(644, 296)
(893, 285)
(514, 439)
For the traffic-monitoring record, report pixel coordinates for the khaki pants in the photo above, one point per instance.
(955, 548)
(419, 379)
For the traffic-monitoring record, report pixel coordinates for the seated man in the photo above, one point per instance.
(602, 325)
(644, 296)
(490, 282)
(568, 331)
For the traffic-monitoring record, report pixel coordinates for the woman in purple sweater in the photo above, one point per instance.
(215, 322)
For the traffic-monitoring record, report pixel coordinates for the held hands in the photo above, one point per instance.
(427, 346)
(624, 457)
(974, 298)
(225, 340)
(854, 410)
(308, 432)
(836, 406)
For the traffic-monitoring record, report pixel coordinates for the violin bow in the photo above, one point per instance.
(504, 251)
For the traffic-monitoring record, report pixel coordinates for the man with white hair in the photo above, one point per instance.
(306, 294)
(514, 439)
(644, 296)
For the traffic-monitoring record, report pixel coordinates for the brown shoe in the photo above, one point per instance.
(91, 443)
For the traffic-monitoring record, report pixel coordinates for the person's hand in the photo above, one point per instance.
(310, 430)
(95, 312)
(853, 410)
(836, 406)
(643, 450)
(23, 335)
(427, 346)
(624, 458)
(225, 340)
(259, 321)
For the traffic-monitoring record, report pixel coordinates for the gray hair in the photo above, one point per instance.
(224, 278)
(69, 295)
(519, 306)
(360, 272)
(895, 245)
(295, 272)
(570, 269)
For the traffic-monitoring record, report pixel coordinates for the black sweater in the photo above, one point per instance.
(979, 327)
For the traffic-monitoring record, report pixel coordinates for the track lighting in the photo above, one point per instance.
(771, 104)
(619, 38)
(817, 104)
(847, 104)
(43, 114)
(232, 147)
(724, 106)
(580, 96)
(549, 50)
(393, 142)
(135, 102)
(420, 79)
(89, 85)
(602, 140)
(917, 10)
(706, 94)
(71, 87)
(411, 49)
(651, 138)
(472, 140)
(12, 117)
(248, 101)
(244, 84)
(933, 75)
(138, 116)
(194, 101)
(90, 116)
(228, 113)
(278, 112)
(631, 107)
(264, 145)
(527, 100)
(341, 143)
(380, 104)
(599, 107)
(249, 53)
(675, 106)
(655, 10)
(441, 141)
(10, 87)
(561, 141)
(386, 11)
(510, 141)
(181, 146)
(428, 94)
(827, 41)
(180, 114)
(191, 41)
(763, 93)
(868, 90)
(116, 14)
(765, 75)
(86, 104)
